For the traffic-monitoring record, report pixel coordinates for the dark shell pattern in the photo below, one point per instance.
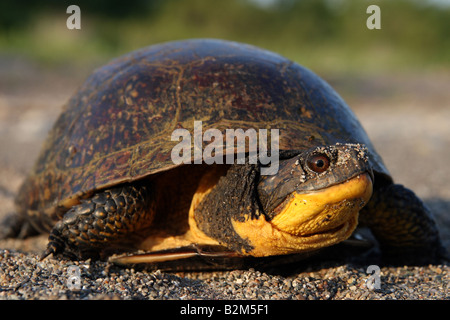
(117, 128)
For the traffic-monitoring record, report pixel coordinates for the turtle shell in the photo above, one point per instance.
(117, 127)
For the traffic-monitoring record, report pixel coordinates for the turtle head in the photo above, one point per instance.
(313, 201)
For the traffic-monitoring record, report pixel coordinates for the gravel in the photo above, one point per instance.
(410, 130)
(24, 276)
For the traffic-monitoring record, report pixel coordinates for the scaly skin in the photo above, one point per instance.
(402, 224)
(103, 224)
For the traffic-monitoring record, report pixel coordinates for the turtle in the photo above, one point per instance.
(125, 176)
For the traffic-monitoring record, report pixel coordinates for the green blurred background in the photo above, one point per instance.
(328, 36)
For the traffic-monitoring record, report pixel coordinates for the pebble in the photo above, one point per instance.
(23, 276)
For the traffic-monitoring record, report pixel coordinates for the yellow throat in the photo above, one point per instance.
(309, 221)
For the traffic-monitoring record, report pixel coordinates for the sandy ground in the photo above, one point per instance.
(407, 117)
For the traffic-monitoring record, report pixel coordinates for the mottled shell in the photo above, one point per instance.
(117, 127)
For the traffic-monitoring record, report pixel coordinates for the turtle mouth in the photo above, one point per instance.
(328, 211)
(310, 172)
(309, 221)
(339, 233)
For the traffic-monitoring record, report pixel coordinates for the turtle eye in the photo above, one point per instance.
(318, 162)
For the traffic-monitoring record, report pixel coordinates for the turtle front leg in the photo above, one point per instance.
(402, 224)
(105, 222)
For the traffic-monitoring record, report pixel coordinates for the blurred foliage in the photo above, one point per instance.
(321, 34)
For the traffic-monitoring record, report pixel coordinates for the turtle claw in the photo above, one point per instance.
(55, 244)
(46, 253)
